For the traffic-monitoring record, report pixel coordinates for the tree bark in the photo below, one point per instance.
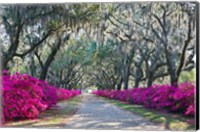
(149, 82)
(119, 84)
(126, 77)
(173, 78)
(33, 67)
(137, 81)
(49, 60)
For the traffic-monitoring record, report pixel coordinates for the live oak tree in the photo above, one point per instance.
(27, 27)
(174, 28)
(148, 24)
(106, 45)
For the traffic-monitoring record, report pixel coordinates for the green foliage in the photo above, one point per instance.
(187, 76)
(86, 11)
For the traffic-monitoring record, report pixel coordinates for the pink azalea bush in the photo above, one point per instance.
(162, 97)
(25, 97)
(64, 94)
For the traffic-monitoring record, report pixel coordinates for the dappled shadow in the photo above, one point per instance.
(170, 121)
(23, 124)
(126, 124)
(97, 114)
(55, 125)
(55, 117)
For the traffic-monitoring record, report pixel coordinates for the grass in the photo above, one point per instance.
(169, 120)
(55, 117)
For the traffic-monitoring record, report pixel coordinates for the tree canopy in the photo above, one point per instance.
(107, 45)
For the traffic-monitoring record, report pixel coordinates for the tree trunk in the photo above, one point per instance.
(150, 79)
(119, 84)
(174, 79)
(126, 77)
(5, 64)
(49, 60)
(60, 77)
(137, 81)
(44, 72)
(32, 67)
(149, 82)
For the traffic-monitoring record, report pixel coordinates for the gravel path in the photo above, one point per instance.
(95, 113)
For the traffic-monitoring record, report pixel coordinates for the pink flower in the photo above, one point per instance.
(163, 97)
(26, 97)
